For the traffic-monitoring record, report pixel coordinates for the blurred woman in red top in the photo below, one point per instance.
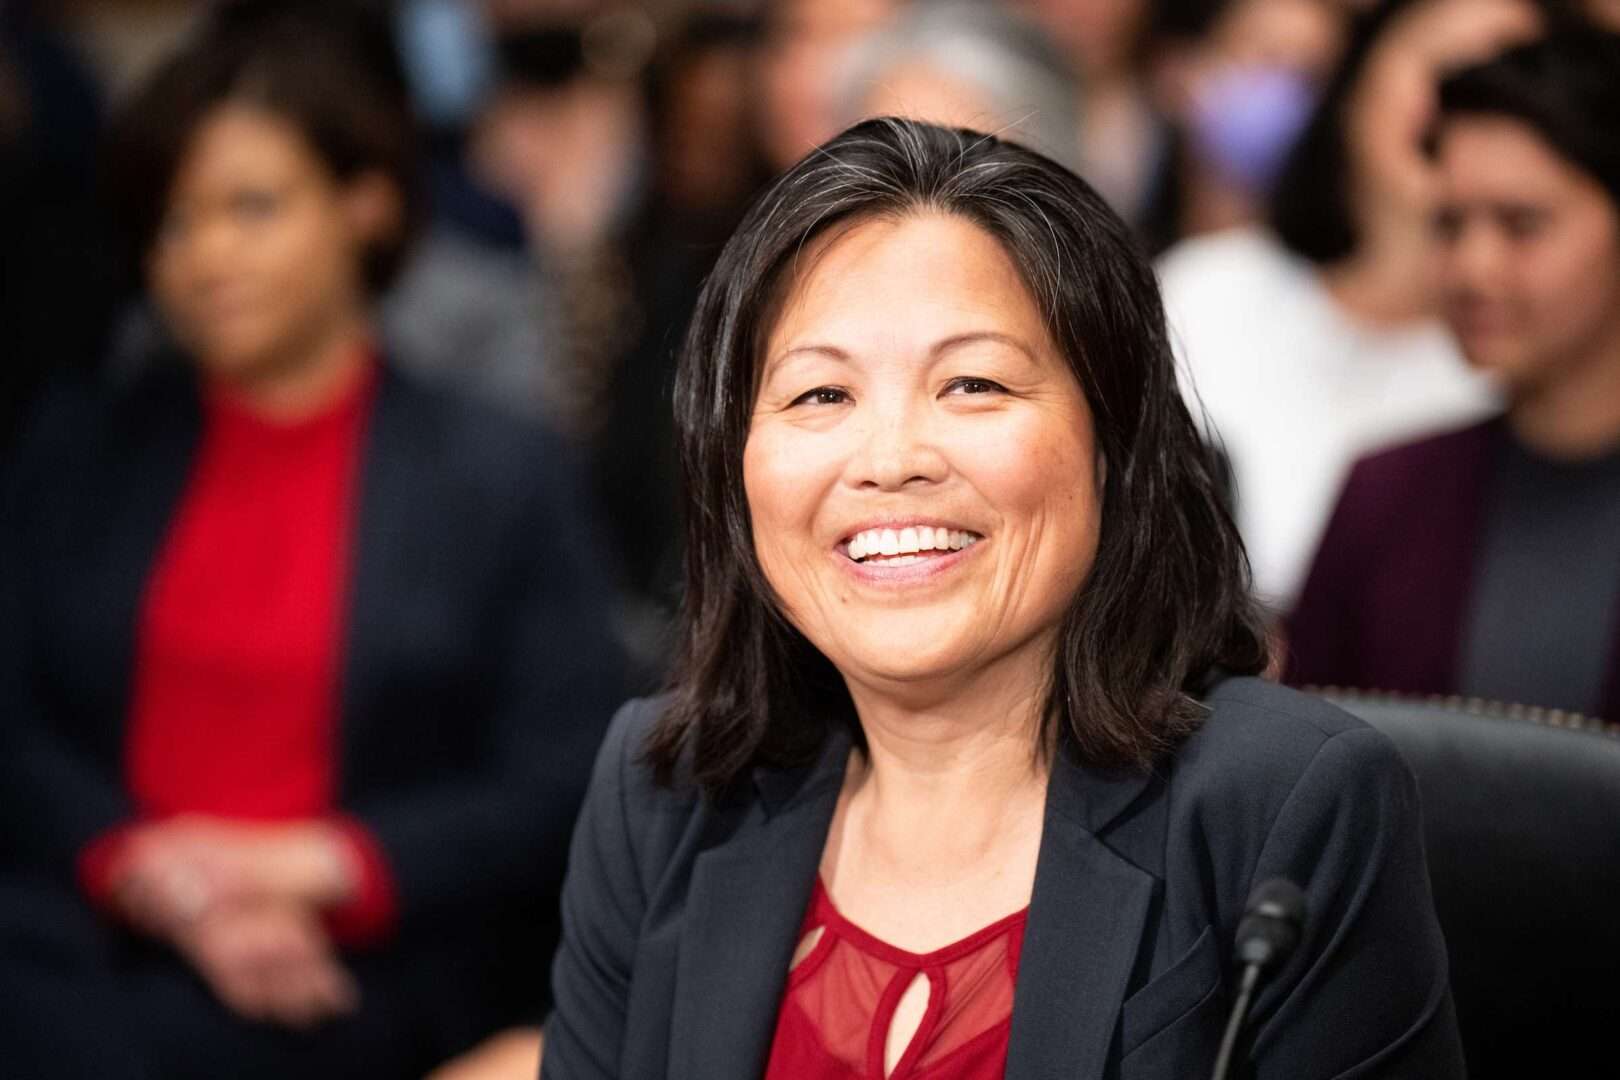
(302, 667)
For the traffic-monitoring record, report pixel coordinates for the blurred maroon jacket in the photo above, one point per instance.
(1385, 606)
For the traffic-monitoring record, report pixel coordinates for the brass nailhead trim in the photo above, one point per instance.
(1473, 706)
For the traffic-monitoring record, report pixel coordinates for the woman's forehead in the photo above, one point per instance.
(926, 275)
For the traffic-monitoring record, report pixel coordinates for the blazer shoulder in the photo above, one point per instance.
(1397, 471)
(655, 816)
(1261, 737)
(479, 451)
(1279, 709)
(622, 749)
(471, 427)
(88, 413)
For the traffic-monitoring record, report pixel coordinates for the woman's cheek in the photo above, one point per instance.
(779, 478)
(1028, 461)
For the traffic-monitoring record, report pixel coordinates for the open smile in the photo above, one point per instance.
(905, 552)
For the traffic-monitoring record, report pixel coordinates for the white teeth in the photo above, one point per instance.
(899, 546)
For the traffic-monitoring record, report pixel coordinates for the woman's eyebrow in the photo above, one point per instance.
(831, 352)
(973, 337)
(937, 350)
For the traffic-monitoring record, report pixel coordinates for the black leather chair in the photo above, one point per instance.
(1521, 813)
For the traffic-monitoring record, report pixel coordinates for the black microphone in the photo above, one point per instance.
(1266, 938)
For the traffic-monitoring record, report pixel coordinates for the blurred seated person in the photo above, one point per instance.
(1483, 561)
(966, 64)
(301, 666)
(803, 63)
(1313, 340)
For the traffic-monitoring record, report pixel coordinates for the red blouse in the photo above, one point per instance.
(238, 653)
(841, 998)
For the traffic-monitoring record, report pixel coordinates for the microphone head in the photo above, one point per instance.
(1271, 924)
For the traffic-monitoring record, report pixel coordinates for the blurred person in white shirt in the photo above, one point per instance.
(1310, 342)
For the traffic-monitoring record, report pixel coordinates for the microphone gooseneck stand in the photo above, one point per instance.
(1266, 937)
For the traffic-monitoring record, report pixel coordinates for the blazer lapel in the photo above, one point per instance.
(153, 441)
(744, 909)
(1085, 926)
(389, 491)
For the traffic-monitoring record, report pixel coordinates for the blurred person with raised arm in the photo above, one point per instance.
(1481, 561)
(1314, 338)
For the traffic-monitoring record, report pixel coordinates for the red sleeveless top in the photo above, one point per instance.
(841, 998)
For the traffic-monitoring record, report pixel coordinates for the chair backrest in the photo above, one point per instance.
(1521, 812)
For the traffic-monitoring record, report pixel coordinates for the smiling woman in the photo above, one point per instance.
(905, 396)
(1015, 298)
(954, 777)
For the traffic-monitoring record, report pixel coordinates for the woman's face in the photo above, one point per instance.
(259, 256)
(920, 467)
(1532, 252)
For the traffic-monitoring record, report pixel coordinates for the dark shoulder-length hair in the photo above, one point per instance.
(1167, 598)
(325, 69)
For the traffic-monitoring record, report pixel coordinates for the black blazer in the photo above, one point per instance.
(478, 667)
(680, 916)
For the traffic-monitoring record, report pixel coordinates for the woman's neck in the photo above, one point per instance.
(968, 757)
(311, 379)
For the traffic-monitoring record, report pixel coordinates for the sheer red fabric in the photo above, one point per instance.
(841, 999)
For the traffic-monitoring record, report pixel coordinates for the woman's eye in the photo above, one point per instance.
(1524, 224)
(968, 385)
(255, 205)
(822, 395)
(1448, 225)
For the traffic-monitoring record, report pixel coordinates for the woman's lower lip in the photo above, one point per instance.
(926, 569)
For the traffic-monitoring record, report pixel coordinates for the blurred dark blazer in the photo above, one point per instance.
(1386, 603)
(681, 914)
(478, 668)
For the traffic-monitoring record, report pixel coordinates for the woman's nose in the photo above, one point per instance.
(209, 248)
(1477, 256)
(899, 447)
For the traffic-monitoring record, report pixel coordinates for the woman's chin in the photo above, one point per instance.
(913, 656)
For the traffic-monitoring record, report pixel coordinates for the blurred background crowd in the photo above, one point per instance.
(528, 194)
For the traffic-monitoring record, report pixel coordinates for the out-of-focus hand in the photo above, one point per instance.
(513, 1054)
(1393, 104)
(173, 873)
(270, 962)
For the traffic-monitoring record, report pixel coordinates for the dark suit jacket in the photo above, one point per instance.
(478, 667)
(680, 915)
(1386, 603)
